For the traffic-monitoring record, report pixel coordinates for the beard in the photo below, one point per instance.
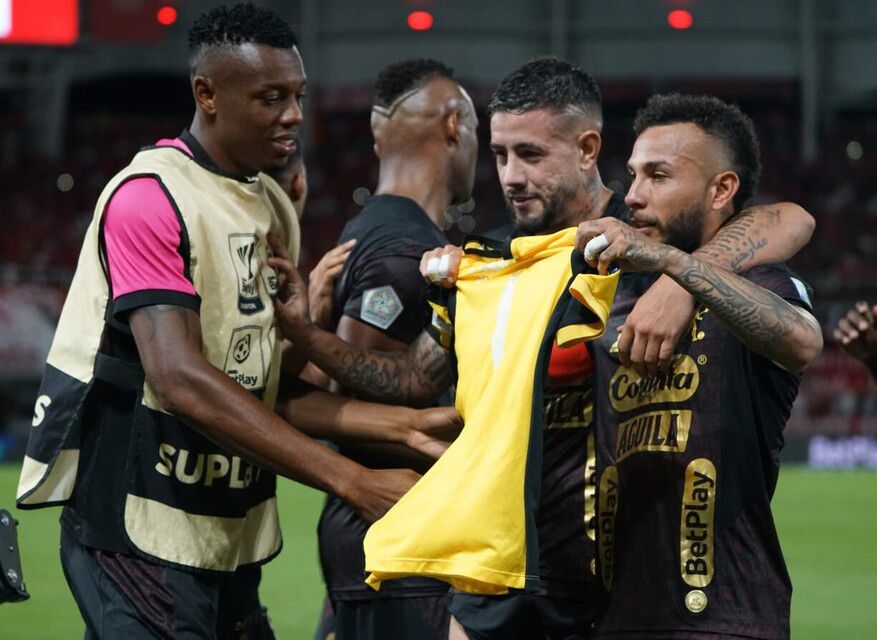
(685, 229)
(555, 211)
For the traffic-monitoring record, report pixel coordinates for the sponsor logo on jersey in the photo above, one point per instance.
(591, 491)
(697, 532)
(627, 390)
(242, 247)
(381, 306)
(205, 468)
(608, 507)
(39, 410)
(653, 431)
(244, 360)
(568, 410)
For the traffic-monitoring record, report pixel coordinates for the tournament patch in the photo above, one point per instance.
(381, 306)
(242, 248)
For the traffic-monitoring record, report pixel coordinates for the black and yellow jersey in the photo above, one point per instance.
(470, 520)
(688, 461)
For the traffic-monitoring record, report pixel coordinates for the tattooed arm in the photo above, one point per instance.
(759, 235)
(763, 321)
(169, 343)
(414, 377)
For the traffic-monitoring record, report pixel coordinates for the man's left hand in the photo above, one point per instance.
(654, 327)
(619, 243)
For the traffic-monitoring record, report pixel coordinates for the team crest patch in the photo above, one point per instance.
(381, 306)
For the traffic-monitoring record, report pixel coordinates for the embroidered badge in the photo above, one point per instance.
(380, 306)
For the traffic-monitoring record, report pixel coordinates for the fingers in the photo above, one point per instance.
(590, 229)
(650, 354)
(278, 247)
(847, 330)
(860, 316)
(440, 266)
(665, 356)
(607, 257)
(625, 342)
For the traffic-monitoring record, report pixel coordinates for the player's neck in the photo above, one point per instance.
(217, 155)
(592, 201)
(422, 182)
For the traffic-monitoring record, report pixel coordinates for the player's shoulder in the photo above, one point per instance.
(138, 200)
(392, 225)
(782, 280)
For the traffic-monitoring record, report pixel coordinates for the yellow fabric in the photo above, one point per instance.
(464, 521)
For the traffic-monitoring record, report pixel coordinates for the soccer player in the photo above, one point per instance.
(856, 332)
(424, 127)
(155, 414)
(545, 132)
(688, 456)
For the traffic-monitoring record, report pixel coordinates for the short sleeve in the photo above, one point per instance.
(587, 309)
(145, 250)
(389, 294)
(782, 281)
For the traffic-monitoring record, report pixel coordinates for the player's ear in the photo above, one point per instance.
(452, 127)
(723, 189)
(204, 91)
(589, 143)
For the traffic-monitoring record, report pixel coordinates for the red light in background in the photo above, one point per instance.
(420, 20)
(166, 16)
(680, 19)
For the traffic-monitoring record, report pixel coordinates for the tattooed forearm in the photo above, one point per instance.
(415, 376)
(763, 321)
(738, 244)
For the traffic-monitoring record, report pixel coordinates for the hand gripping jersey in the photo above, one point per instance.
(470, 520)
(137, 478)
(688, 462)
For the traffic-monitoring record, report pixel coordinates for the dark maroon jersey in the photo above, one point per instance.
(566, 518)
(688, 463)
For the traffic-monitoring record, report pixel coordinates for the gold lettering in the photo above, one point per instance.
(653, 431)
(591, 489)
(697, 534)
(627, 390)
(217, 467)
(608, 506)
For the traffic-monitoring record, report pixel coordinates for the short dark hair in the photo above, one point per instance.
(399, 77)
(238, 24)
(721, 120)
(547, 83)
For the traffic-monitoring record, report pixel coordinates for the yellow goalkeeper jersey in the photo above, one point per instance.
(470, 520)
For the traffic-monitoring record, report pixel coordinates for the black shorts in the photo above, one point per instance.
(121, 596)
(416, 618)
(520, 615)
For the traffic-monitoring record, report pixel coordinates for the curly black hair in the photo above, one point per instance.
(721, 120)
(399, 77)
(547, 83)
(239, 24)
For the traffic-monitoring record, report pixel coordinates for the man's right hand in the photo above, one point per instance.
(857, 332)
(440, 266)
(321, 282)
(378, 490)
(291, 301)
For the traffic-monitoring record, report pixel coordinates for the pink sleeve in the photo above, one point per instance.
(142, 240)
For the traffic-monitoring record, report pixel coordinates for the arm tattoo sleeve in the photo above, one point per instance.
(739, 242)
(415, 376)
(763, 321)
